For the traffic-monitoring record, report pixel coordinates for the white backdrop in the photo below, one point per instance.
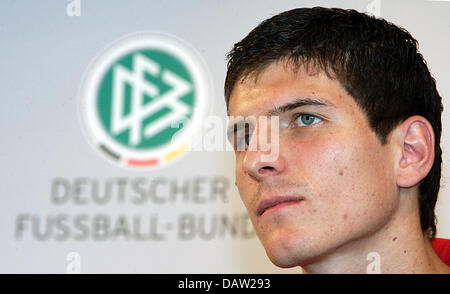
(195, 221)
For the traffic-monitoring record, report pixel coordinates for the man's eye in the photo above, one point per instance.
(242, 137)
(247, 140)
(243, 142)
(305, 119)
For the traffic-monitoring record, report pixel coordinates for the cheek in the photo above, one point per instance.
(320, 162)
(348, 180)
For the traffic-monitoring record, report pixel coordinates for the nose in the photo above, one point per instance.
(258, 165)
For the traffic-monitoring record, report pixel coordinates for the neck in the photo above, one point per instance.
(399, 246)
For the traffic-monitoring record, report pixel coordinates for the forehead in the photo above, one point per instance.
(279, 84)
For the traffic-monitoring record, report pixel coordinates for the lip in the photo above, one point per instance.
(270, 202)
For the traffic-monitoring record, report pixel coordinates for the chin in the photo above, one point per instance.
(288, 251)
(282, 261)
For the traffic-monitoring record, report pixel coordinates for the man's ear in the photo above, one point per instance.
(415, 138)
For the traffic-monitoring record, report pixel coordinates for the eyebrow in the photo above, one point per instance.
(298, 102)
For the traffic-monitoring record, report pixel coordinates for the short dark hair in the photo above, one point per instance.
(377, 62)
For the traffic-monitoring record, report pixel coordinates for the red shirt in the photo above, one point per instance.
(442, 248)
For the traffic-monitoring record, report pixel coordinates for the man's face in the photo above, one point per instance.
(338, 178)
